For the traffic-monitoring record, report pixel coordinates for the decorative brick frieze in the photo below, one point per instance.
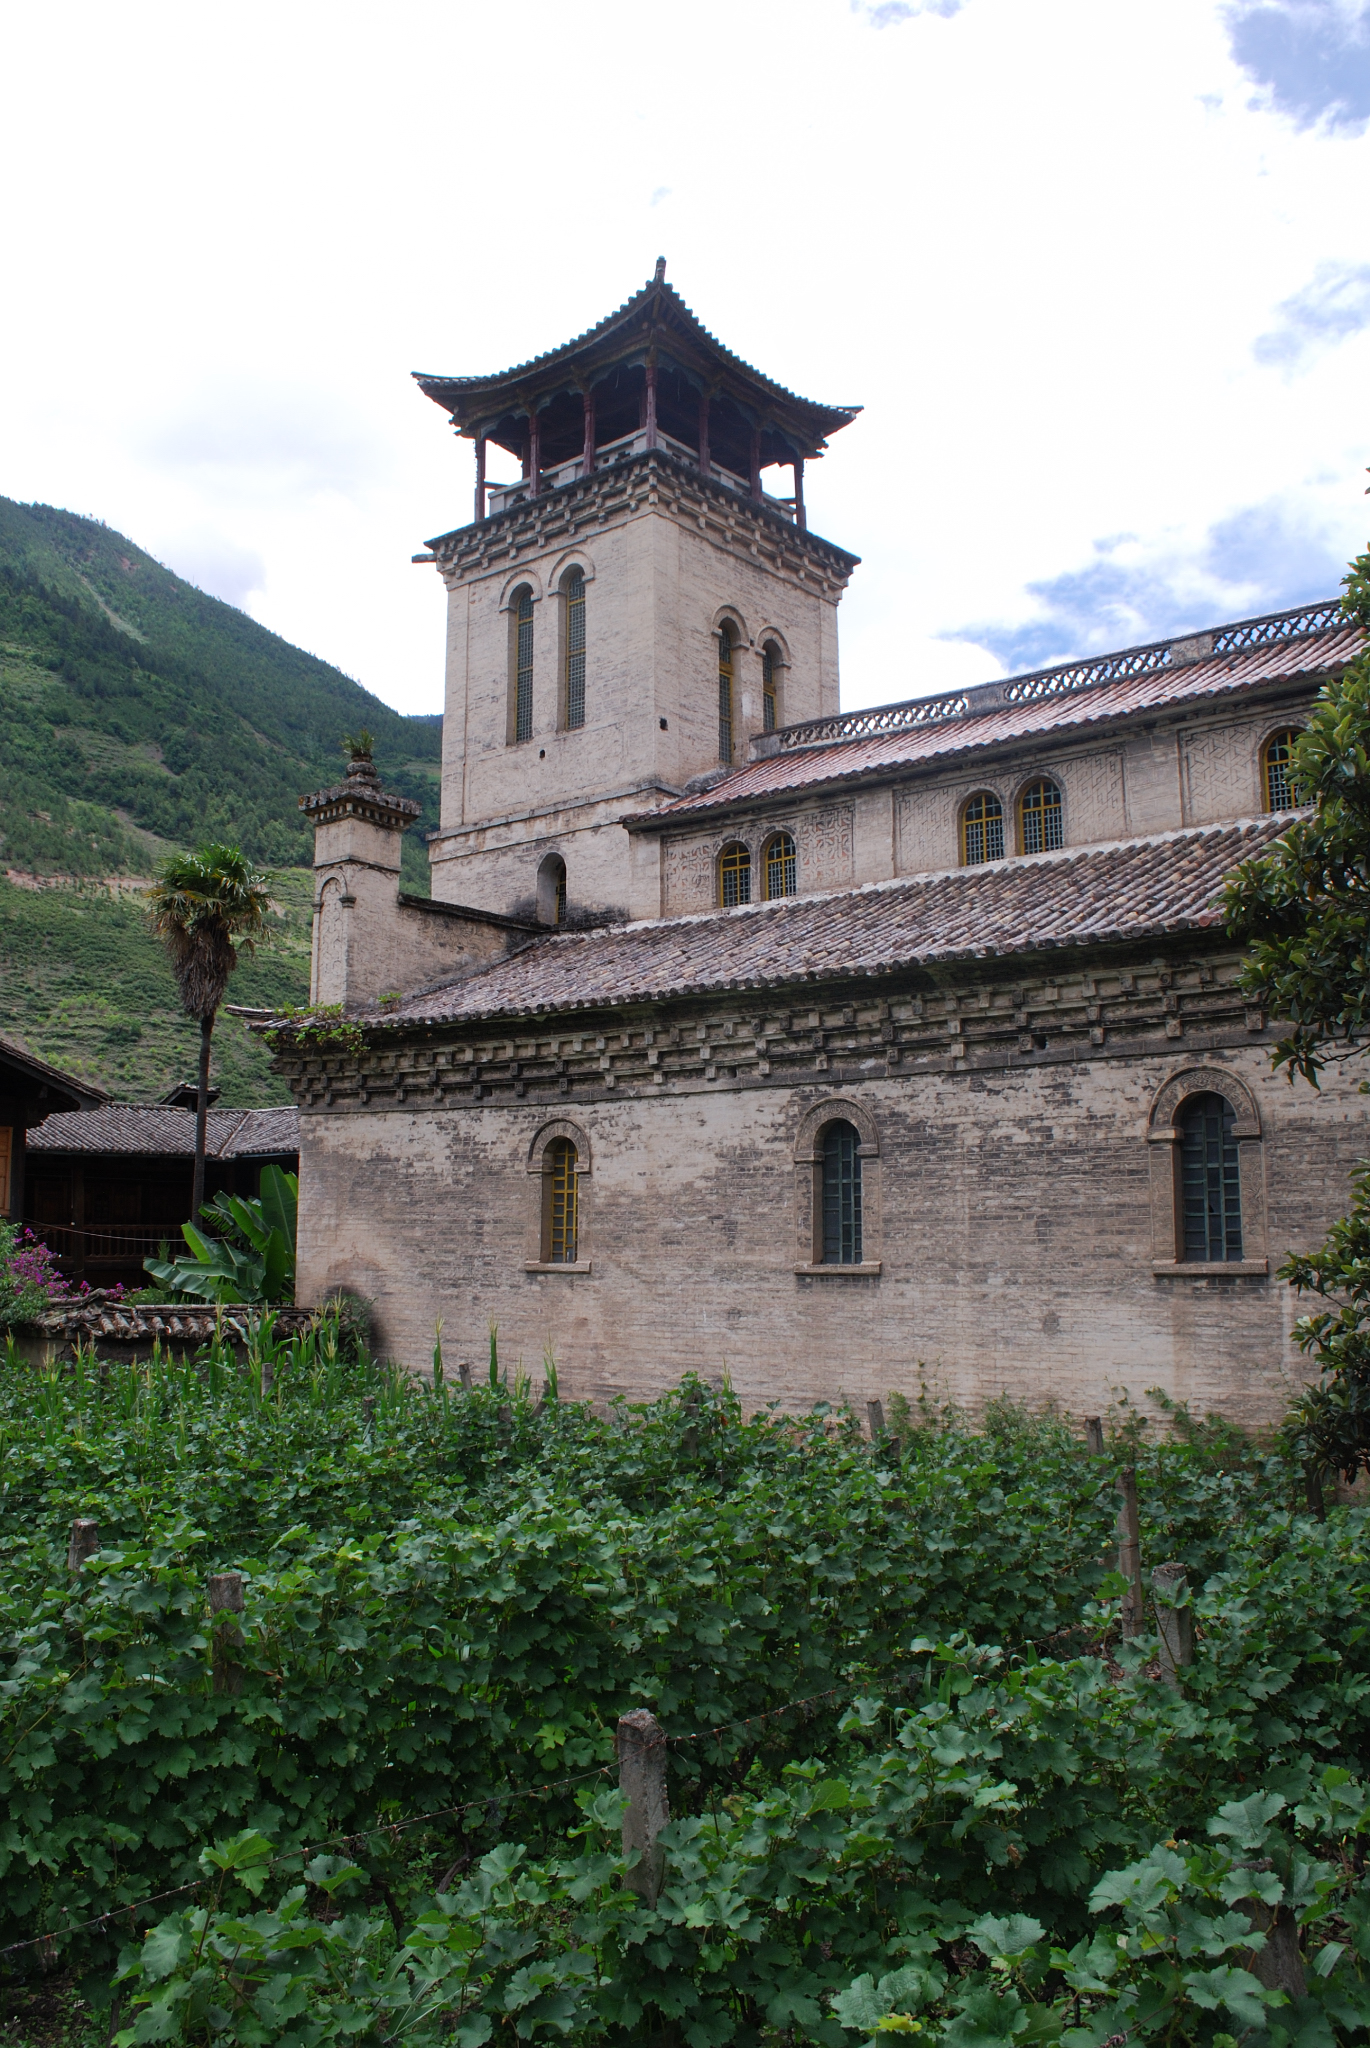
(1113, 1012)
(657, 481)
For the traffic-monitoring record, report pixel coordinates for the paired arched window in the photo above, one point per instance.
(1040, 818)
(560, 1221)
(982, 829)
(726, 646)
(841, 1195)
(734, 876)
(573, 679)
(1277, 772)
(522, 720)
(782, 866)
(1210, 1180)
(770, 685)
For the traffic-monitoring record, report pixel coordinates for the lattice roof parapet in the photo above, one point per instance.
(1273, 628)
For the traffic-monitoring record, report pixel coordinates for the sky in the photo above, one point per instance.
(1098, 272)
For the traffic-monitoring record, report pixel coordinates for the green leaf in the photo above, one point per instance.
(1005, 1938)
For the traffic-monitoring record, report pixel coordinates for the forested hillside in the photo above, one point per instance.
(137, 714)
(134, 704)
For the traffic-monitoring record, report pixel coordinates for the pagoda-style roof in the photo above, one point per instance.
(609, 360)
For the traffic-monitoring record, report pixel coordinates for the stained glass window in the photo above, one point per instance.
(782, 866)
(559, 1175)
(734, 876)
(841, 1195)
(982, 829)
(769, 669)
(1040, 811)
(1210, 1180)
(523, 666)
(725, 699)
(575, 650)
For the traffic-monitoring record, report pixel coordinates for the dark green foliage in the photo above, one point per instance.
(132, 700)
(1304, 906)
(450, 1601)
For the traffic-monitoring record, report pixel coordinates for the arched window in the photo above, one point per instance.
(734, 876)
(841, 1195)
(1039, 817)
(782, 866)
(725, 699)
(523, 665)
(770, 684)
(573, 591)
(1210, 1181)
(559, 1204)
(1277, 772)
(982, 829)
(551, 898)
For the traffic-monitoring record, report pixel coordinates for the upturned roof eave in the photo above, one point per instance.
(470, 400)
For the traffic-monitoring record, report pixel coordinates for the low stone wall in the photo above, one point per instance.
(124, 1330)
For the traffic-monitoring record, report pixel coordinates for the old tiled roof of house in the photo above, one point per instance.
(962, 730)
(1126, 890)
(152, 1129)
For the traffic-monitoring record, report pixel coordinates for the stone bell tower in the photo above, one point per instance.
(629, 614)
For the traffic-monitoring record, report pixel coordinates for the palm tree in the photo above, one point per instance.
(199, 905)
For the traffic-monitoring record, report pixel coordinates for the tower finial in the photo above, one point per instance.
(660, 277)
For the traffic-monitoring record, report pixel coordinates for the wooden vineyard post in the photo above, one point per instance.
(641, 1744)
(226, 1598)
(464, 1374)
(1094, 1435)
(85, 1541)
(875, 1416)
(1130, 1551)
(1175, 1623)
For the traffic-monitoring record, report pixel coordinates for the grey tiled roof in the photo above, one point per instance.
(1123, 890)
(150, 1129)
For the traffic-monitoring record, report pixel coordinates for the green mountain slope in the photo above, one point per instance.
(138, 714)
(133, 704)
(83, 983)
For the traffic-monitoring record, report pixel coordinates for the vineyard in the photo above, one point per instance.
(919, 1780)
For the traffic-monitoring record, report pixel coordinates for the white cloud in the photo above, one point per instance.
(1042, 241)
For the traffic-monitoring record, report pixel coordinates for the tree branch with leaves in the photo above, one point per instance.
(1304, 909)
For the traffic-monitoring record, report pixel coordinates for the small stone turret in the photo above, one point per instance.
(370, 936)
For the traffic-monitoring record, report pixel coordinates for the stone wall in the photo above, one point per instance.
(1010, 1190)
(666, 556)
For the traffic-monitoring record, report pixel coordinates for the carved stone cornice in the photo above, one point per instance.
(1121, 1005)
(361, 796)
(654, 480)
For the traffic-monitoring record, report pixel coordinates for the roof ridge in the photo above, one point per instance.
(888, 885)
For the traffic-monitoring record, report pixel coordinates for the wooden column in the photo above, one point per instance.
(641, 1744)
(649, 417)
(704, 462)
(587, 459)
(480, 477)
(756, 463)
(534, 455)
(799, 517)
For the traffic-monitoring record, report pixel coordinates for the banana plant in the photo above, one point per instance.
(253, 1261)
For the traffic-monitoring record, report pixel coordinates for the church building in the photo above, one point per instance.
(847, 1052)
